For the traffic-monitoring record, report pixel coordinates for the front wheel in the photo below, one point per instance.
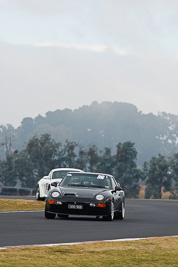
(110, 216)
(121, 213)
(49, 215)
(38, 194)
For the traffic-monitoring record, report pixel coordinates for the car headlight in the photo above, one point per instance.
(55, 194)
(99, 197)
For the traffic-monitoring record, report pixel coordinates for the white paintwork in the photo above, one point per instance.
(44, 182)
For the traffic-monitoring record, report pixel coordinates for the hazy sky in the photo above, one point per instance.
(57, 54)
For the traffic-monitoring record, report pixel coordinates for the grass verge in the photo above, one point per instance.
(20, 204)
(148, 252)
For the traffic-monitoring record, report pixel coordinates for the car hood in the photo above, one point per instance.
(82, 192)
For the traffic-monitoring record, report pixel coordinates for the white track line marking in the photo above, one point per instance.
(85, 242)
(20, 211)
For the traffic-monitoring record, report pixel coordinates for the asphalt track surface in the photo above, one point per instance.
(144, 218)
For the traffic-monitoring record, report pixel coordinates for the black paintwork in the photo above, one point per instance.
(86, 197)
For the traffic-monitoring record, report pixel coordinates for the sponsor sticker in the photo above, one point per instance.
(101, 177)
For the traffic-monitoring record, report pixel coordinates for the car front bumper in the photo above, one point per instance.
(78, 208)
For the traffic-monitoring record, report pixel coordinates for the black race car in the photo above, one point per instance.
(95, 194)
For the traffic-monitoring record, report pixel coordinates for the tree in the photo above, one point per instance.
(69, 155)
(106, 162)
(7, 175)
(81, 161)
(24, 169)
(92, 159)
(126, 171)
(43, 153)
(7, 137)
(158, 176)
(174, 172)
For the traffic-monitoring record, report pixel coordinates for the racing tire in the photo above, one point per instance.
(49, 215)
(110, 216)
(121, 213)
(38, 194)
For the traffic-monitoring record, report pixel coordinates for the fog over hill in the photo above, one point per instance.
(102, 125)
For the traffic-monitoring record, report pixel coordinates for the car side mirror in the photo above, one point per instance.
(118, 188)
(54, 184)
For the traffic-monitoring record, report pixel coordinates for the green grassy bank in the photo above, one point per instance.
(149, 252)
(20, 204)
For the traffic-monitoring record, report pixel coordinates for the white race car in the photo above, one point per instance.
(55, 175)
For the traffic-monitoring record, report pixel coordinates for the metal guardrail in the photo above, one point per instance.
(17, 191)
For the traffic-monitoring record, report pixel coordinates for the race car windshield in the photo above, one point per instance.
(87, 180)
(60, 174)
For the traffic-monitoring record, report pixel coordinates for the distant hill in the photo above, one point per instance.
(104, 125)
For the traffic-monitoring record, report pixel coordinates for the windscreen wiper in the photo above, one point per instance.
(80, 185)
(97, 186)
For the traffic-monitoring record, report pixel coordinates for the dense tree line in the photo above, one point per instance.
(43, 153)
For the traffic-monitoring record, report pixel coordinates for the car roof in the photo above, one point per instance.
(92, 173)
(66, 169)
